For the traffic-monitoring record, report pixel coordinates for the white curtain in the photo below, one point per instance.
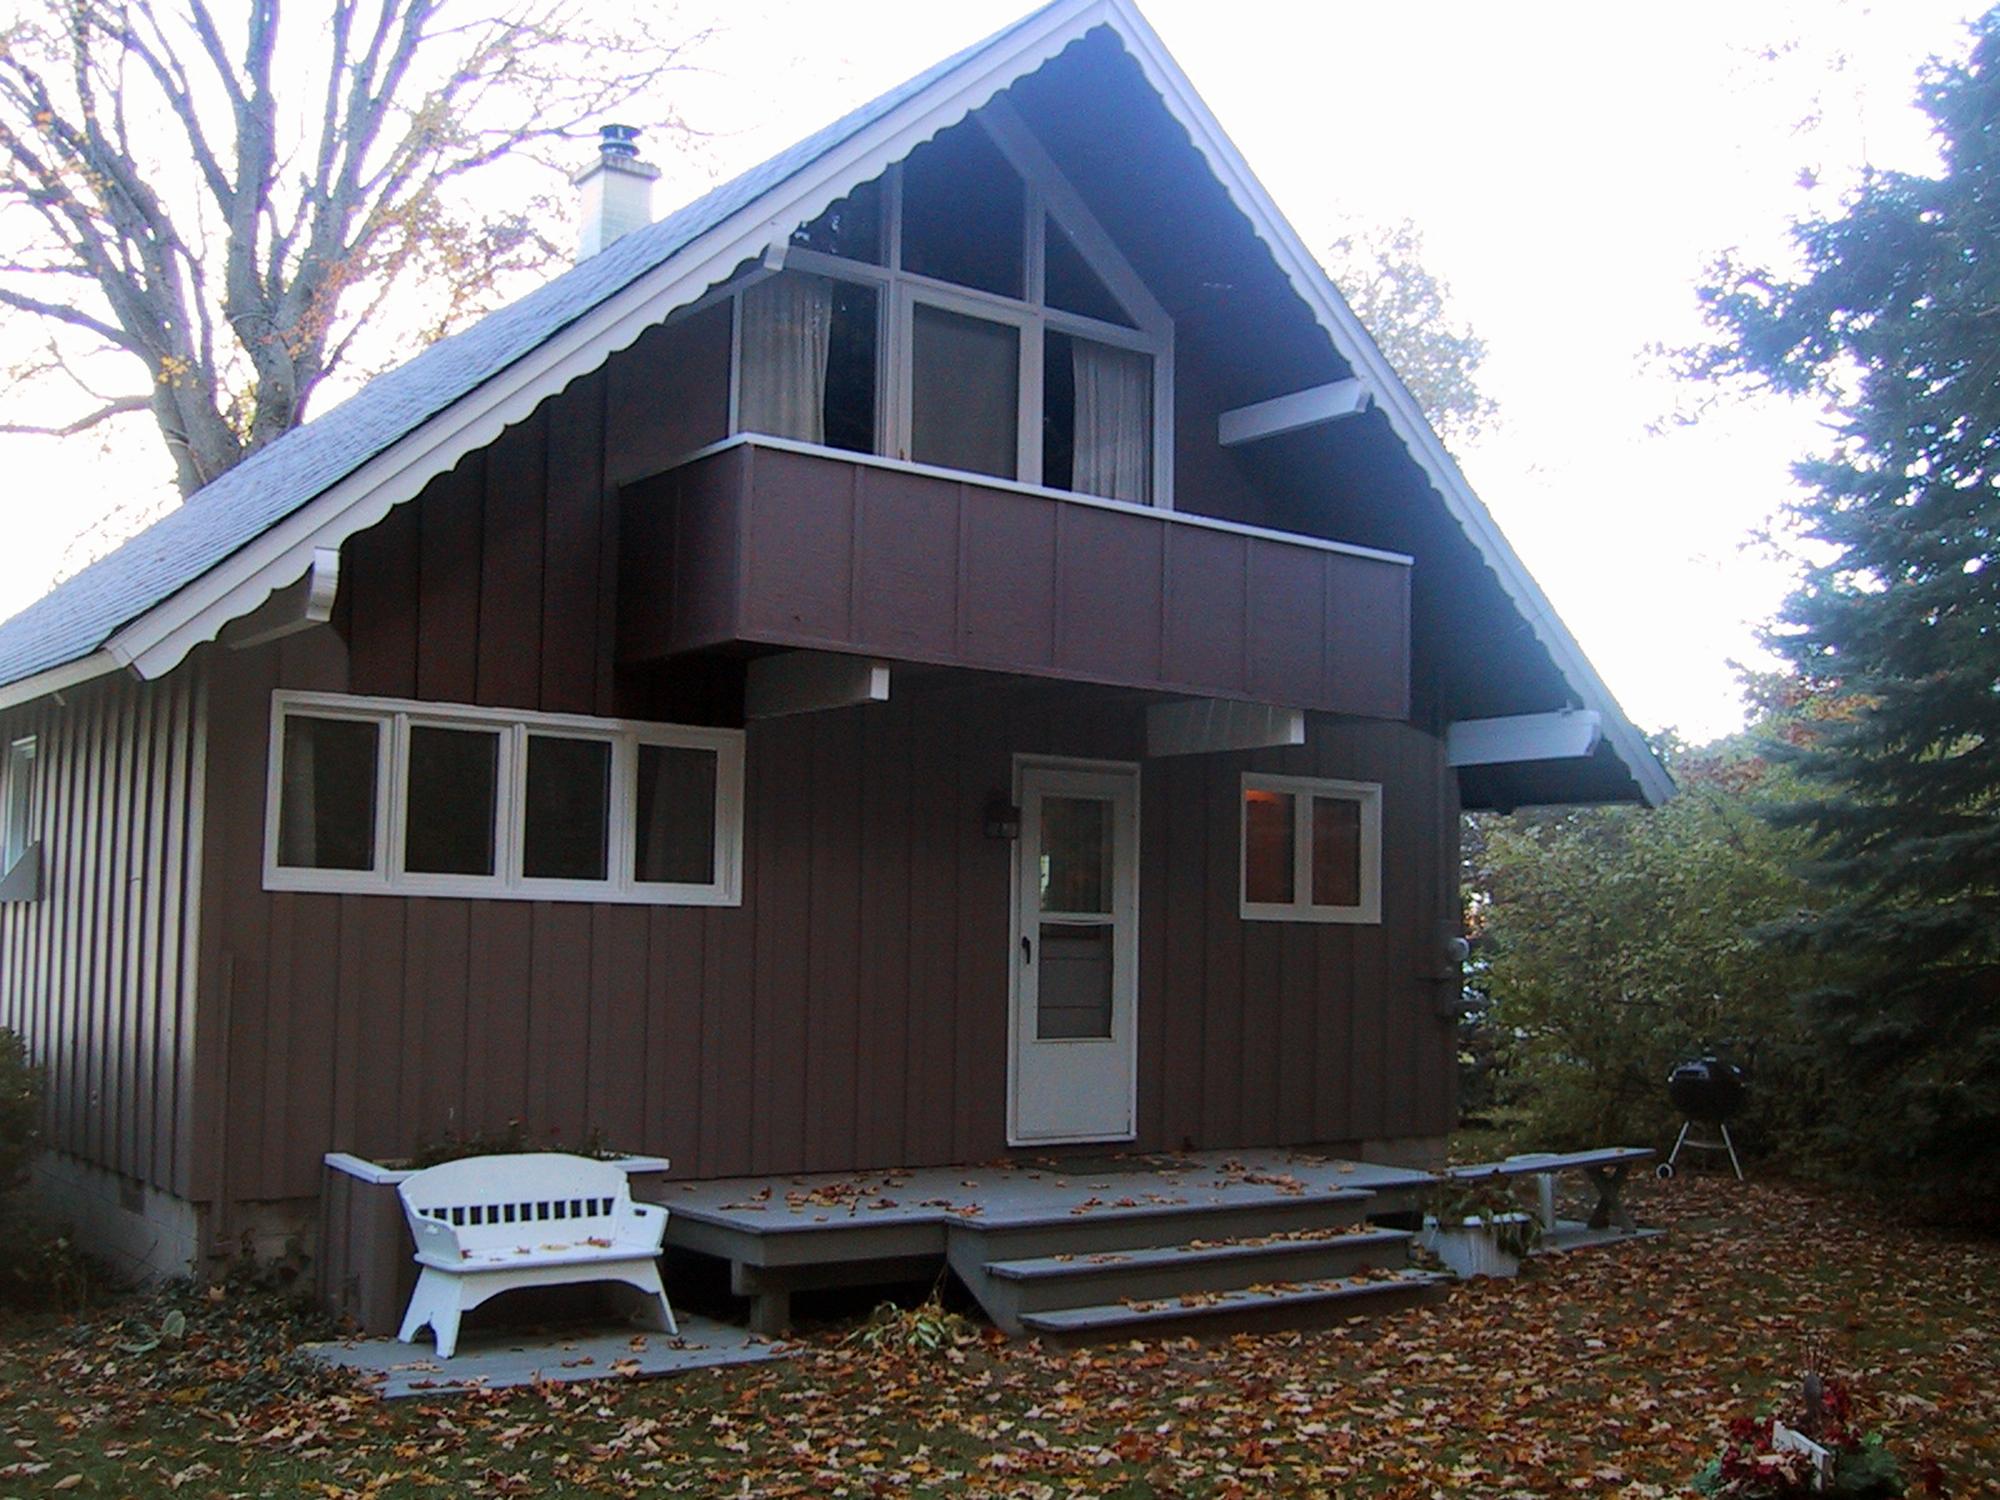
(1114, 422)
(787, 322)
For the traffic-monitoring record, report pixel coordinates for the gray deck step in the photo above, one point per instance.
(1043, 1283)
(1146, 1226)
(1249, 1309)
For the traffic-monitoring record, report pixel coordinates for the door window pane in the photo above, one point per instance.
(1336, 851)
(1267, 846)
(965, 381)
(964, 213)
(1077, 862)
(326, 797)
(568, 815)
(453, 786)
(1073, 981)
(675, 834)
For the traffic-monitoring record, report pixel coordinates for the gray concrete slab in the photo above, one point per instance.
(999, 1194)
(1573, 1234)
(500, 1359)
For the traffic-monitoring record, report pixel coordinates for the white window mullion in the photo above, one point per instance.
(1033, 346)
(736, 360)
(1302, 855)
(621, 811)
(511, 806)
(397, 756)
(1034, 249)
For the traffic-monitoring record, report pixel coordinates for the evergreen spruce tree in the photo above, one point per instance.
(1895, 321)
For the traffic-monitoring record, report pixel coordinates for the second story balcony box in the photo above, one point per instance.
(760, 542)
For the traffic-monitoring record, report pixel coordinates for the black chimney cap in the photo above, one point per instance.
(618, 140)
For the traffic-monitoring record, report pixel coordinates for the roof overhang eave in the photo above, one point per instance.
(159, 639)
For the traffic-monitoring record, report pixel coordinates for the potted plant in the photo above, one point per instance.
(1811, 1448)
(1477, 1228)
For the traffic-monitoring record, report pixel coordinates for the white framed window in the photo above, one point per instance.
(17, 814)
(964, 311)
(388, 796)
(1311, 849)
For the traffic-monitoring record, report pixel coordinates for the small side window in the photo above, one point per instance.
(19, 830)
(1312, 850)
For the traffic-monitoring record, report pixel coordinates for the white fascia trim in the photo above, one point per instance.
(158, 640)
(55, 679)
(1406, 419)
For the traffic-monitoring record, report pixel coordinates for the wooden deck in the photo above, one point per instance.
(1076, 1248)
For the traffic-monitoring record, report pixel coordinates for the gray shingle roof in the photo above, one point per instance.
(86, 610)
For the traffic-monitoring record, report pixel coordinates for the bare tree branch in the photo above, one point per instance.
(123, 406)
(183, 210)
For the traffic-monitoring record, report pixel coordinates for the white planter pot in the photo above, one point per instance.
(1468, 1247)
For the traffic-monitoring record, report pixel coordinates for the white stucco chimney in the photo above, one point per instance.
(617, 189)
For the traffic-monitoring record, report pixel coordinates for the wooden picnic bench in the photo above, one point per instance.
(1606, 1167)
(491, 1224)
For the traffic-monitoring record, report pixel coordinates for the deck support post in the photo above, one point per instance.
(770, 1298)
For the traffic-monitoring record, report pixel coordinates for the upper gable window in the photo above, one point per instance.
(962, 214)
(851, 229)
(963, 312)
(1073, 286)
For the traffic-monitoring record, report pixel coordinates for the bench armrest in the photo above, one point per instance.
(649, 1224)
(436, 1238)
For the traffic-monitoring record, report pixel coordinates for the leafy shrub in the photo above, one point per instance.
(510, 1140)
(43, 1270)
(20, 1114)
(1617, 942)
(926, 1330)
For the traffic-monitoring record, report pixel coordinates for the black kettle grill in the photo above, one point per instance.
(1708, 1092)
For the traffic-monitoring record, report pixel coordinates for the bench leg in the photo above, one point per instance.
(650, 1308)
(1610, 1209)
(435, 1301)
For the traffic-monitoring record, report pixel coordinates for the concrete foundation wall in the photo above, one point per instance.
(140, 1232)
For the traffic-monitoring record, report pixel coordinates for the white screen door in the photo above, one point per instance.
(1076, 949)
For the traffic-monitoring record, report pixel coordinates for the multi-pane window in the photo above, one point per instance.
(18, 808)
(946, 314)
(1312, 849)
(370, 794)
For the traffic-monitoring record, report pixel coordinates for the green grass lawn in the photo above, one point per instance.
(1609, 1372)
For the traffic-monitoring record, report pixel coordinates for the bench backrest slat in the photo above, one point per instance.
(520, 1201)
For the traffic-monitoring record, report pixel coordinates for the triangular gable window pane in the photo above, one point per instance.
(851, 228)
(963, 213)
(1073, 287)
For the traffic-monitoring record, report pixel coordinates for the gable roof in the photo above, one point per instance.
(256, 528)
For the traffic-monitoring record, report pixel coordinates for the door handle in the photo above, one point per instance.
(1027, 949)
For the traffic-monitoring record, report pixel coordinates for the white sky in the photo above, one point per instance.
(1572, 168)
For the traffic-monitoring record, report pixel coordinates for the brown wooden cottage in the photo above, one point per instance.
(954, 644)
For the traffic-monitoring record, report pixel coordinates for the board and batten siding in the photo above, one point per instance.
(852, 1012)
(98, 974)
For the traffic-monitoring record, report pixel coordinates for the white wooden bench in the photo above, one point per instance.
(1606, 1168)
(492, 1224)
